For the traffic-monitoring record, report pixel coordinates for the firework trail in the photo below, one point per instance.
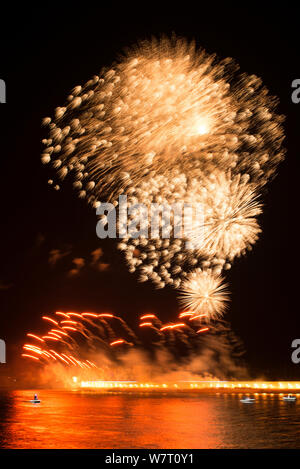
(170, 124)
(86, 347)
(91, 332)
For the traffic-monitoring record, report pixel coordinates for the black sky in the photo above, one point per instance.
(45, 51)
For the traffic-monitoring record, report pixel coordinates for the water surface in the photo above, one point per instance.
(67, 419)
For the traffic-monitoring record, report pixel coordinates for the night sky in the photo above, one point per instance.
(45, 52)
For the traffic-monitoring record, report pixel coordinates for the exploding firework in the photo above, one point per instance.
(169, 124)
(230, 226)
(204, 294)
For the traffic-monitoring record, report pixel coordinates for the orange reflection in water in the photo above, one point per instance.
(75, 420)
(67, 419)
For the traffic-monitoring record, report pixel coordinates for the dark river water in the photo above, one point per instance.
(87, 420)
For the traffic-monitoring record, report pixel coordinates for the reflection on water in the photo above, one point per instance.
(86, 420)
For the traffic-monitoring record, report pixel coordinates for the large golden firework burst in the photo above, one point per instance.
(169, 123)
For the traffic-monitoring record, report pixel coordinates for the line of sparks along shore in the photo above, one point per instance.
(259, 386)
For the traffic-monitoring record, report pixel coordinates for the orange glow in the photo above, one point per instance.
(92, 364)
(70, 358)
(36, 337)
(30, 356)
(32, 346)
(85, 365)
(185, 314)
(54, 334)
(65, 361)
(197, 385)
(38, 352)
(30, 349)
(77, 315)
(145, 324)
(179, 325)
(203, 330)
(69, 328)
(172, 326)
(59, 332)
(66, 357)
(59, 356)
(105, 315)
(116, 342)
(52, 356)
(68, 322)
(46, 318)
(48, 337)
(92, 315)
(198, 316)
(148, 316)
(77, 361)
(59, 313)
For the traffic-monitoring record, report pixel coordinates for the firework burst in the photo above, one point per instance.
(204, 293)
(230, 210)
(169, 124)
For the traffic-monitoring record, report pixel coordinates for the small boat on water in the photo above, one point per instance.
(35, 400)
(247, 400)
(289, 398)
